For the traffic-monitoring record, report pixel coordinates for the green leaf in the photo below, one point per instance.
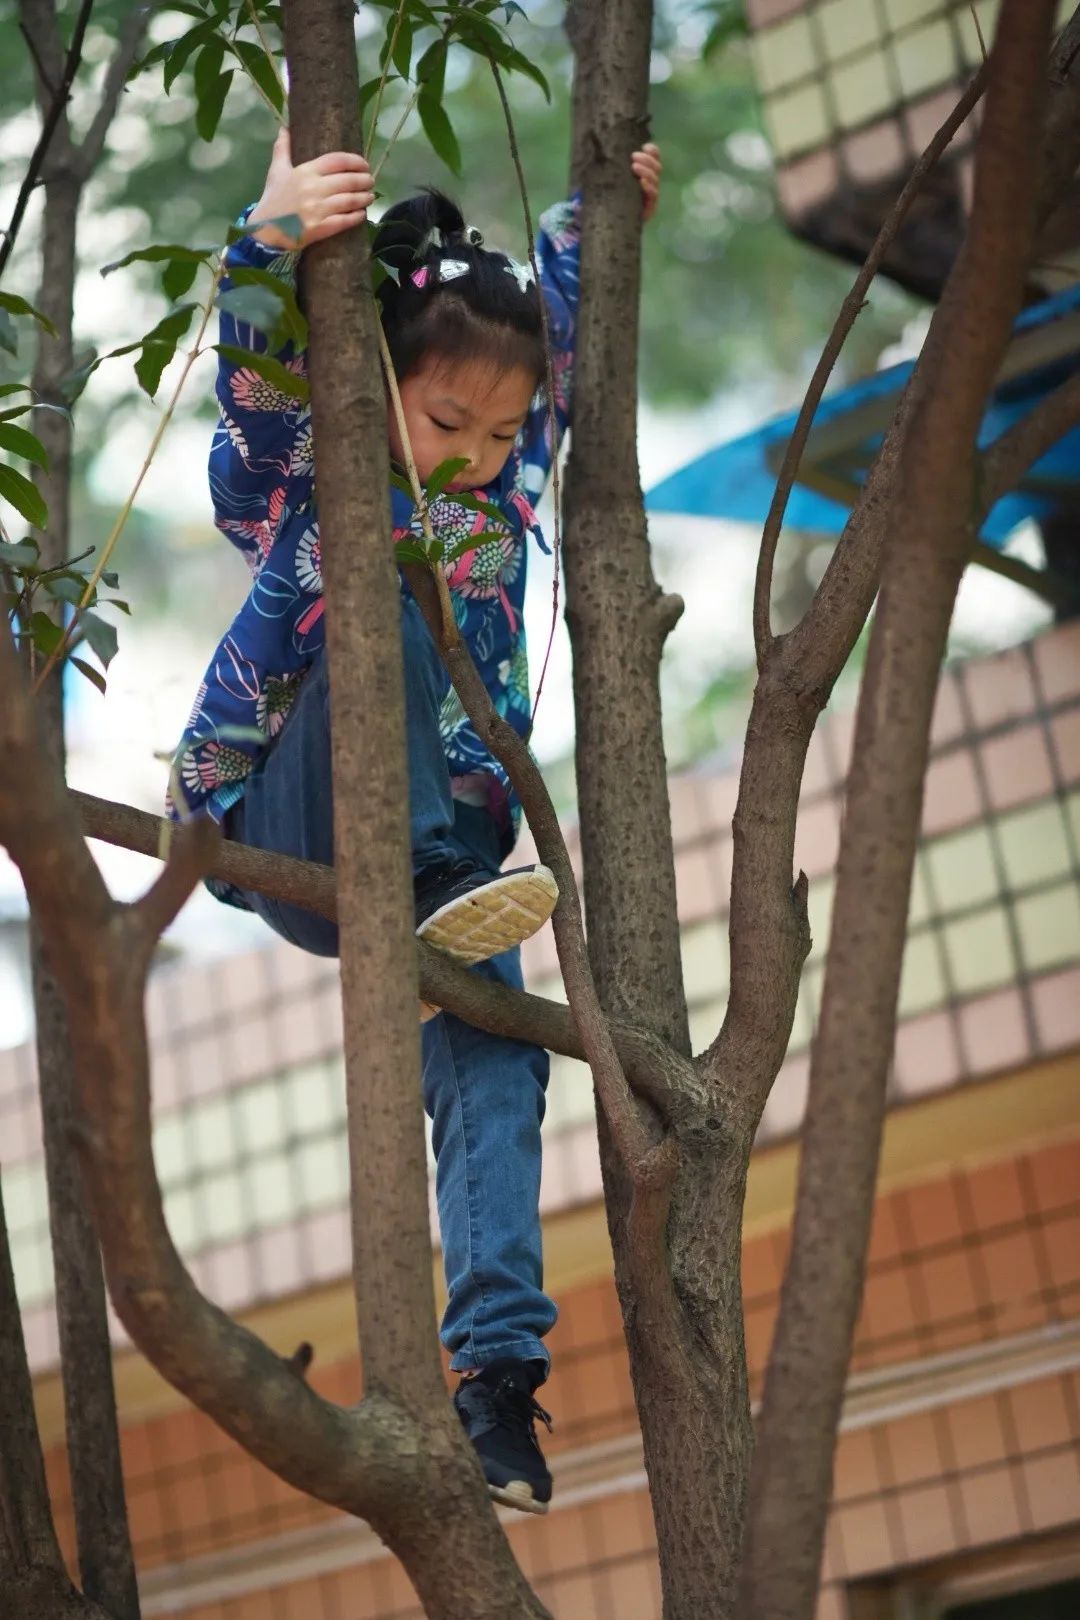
(45, 633)
(399, 481)
(264, 365)
(184, 48)
(110, 579)
(117, 602)
(19, 306)
(439, 130)
(159, 346)
(444, 474)
(290, 224)
(92, 674)
(289, 316)
(21, 443)
(473, 503)
(158, 252)
(9, 338)
(516, 62)
(177, 277)
(13, 388)
(255, 305)
(431, 68)
(410, 551)
(257, 64)
(211, 88)
(66, 589)
(100, 636)
(22, 495)
(19, 553)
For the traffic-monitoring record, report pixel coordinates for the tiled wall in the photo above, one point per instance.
(249, 1101)
(852, 90)
(989, 1255)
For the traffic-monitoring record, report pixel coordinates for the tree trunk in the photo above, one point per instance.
(106, 1561)
(927, 543)
(678, 1279)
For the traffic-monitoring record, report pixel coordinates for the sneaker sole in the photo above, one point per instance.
(493, 919)
(518, 1495)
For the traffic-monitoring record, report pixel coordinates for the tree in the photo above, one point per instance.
(738, 1533)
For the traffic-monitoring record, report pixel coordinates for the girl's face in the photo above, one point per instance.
(462, 409)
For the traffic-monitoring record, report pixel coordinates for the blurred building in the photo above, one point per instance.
(853, 91)
(957, 1484)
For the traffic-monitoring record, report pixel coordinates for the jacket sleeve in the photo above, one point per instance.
(260, 455)
(558, 255)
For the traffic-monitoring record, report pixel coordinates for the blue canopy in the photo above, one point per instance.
(736, 480)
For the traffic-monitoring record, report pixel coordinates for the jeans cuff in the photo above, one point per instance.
(517, 1349)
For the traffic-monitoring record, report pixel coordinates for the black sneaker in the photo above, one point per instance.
(465, 911)
(499, 1412)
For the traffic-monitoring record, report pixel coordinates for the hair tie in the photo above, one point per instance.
(474, 237)
(443, 269)
(523, 274)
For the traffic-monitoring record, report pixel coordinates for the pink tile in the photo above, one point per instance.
(1000, 688)
(993, 1034)
(786, 1103)
(872, 154)
(837, 734)
(40, 1335)
(230, 1279)
(1057, 662)
(1065, 741)
(583, 1172)
(1017, 767)
(1056, 999)
(948, 719)
(925, 118)
(808, 181)
(688, 810)
(329, 1243)
(540, 958)
(817, 777)
(926, 1055)
(761, 13)
(695, 885)
(817, 838)
(278, 1265)
(952, 793)
(719, 795)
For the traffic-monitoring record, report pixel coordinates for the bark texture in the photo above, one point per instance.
(106, 1561)
(927, 541)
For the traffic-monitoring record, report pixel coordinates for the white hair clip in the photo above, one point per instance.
(433, 239)
(522, 274)
(474, 237)
(451, 269)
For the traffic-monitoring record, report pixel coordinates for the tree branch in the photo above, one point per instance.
(27, 1532)
(126, 49)
(853, 304)
(927, 544)
(1006, 461)
(654, 1070)
(39, 31)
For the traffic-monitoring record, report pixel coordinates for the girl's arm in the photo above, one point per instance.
(558, 259)
(260, 458)
(260, 461)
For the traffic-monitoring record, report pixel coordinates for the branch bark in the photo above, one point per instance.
(927, 542)
(1009, 457)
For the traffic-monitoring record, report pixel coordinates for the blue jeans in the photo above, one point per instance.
(485, 1094)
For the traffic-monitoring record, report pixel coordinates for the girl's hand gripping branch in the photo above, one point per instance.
(329, 194)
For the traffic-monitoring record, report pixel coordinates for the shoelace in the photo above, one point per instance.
(515, 1405)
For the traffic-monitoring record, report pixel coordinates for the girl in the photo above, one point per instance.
(463, 325)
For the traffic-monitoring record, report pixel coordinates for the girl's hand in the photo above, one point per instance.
(329, 194)
(647, 165)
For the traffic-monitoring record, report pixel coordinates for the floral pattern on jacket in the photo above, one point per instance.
(262, 478)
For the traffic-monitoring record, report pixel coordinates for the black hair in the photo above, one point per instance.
(485, 314)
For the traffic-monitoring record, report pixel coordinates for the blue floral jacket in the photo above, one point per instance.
(262, 486)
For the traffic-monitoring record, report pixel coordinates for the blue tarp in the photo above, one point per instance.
(736, 480)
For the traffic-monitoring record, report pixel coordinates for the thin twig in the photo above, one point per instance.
(549, 371)
(373, 121)
(1027, 441)
(117, 529)
(116, 76)
(852, 305)
(398, 127)
(48, 128)
(265, 43)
